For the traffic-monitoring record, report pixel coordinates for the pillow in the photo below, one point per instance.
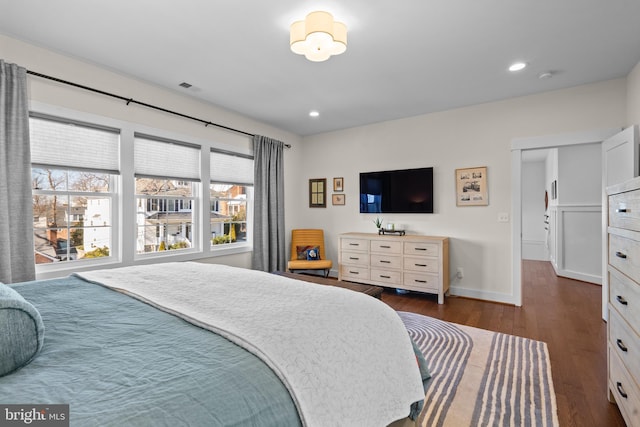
(313, 254)
(21, 331)
(303, 251)
(422, 363)
(416, 408)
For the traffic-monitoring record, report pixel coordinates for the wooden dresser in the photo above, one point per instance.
(417, 263)
(624, 298)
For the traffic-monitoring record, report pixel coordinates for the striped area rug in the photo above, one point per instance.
(482, 378)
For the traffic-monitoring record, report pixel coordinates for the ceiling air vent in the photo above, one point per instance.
(185, 85)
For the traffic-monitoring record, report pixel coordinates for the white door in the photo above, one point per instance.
(620, 162)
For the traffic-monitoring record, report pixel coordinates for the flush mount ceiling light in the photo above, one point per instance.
(318, 37)
(517, 66)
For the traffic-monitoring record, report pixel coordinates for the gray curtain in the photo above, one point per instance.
(16, 209)
(269, 252)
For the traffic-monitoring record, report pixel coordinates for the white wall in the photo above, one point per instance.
(479, 135)
(43, 91)
(534, 235)
(633, 96)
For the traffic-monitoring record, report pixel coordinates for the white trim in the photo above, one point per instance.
(482, 295)
(124, 214)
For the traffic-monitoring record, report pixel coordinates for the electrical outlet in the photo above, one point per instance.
(460, 273)
(503, 217)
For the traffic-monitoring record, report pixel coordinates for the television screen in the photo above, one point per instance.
(397, 191)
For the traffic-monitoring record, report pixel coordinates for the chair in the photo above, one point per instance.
(308, 238)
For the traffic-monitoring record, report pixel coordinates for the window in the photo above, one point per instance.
(230, 193)
(166, 186)
(72, 193)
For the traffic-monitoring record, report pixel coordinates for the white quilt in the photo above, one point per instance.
(345, 357)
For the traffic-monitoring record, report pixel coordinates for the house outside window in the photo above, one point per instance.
(73, 194)
(231, 198)
(167, 174)
(228, 213)
(166, 221)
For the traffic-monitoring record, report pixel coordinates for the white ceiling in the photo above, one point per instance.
(405, 57)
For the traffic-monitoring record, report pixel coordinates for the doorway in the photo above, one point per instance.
(518, 147)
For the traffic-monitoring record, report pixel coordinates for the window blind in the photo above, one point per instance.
(231, 168)
(156, 158)
(73, 145)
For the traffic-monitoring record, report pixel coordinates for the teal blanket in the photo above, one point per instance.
(117, 362)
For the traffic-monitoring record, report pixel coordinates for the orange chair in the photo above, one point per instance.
(305, 239)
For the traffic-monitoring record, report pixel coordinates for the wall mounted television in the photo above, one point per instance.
(397, 191)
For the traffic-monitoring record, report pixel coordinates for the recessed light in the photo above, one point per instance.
(545, 75)
(314, 113)
(517, 66)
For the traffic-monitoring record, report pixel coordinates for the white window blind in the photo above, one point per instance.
(155, 158)
(73, 145)
(231, 168)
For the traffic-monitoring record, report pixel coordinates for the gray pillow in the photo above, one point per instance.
(21, 331)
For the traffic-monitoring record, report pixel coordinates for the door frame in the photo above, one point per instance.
(518, 145)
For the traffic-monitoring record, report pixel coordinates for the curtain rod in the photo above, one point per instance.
(144, 104)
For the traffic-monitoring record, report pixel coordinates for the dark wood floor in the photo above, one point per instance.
(564, 313)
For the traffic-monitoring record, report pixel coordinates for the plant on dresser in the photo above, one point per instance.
(417, 263)
(624, 298)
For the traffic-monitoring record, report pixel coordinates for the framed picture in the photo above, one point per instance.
(337, 199)
(318, 193)
(471, 187)
(338, 184)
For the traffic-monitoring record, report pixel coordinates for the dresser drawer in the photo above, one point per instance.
(354, 272)
(624, 390)
(624, 296)
(624, 254)
(388, 277)
(625, 342)
(354, 258)
(624, 210)
(386, 261)
(421, 281)
(423, 264)
(360, 245)
(386, 247)
(421, 249)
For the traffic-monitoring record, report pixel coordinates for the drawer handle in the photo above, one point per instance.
(385, 277)
(621, 300)
(420, 249)
(622, 210)
(385, 246)
(354, 272)
(621, 345)
(420, 265)
(354, 244)
(621, 390)
(354, 258)
(621, 255)
(385, 261)
(420, 281)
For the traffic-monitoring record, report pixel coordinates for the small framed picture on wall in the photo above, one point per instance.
(338, 184)
(338, 199)
(318, 193)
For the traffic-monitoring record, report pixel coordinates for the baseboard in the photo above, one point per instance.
(482, 295)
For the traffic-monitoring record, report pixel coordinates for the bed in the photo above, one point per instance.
(190, 344)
